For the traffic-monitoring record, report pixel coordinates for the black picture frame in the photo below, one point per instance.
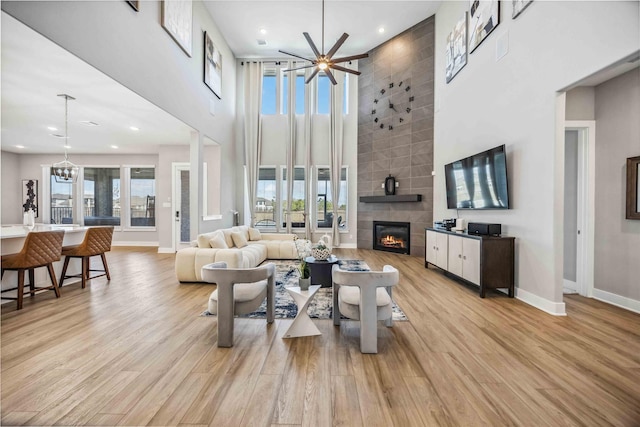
(135, 4)
(633, 187)
(212, 69)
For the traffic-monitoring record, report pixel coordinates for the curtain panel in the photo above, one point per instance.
(337, 142)
(253, 72)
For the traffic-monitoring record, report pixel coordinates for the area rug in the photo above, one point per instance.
(322, 305)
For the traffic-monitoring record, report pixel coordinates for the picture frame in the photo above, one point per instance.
(212, 73)
(135, 4)
(177, 20)
(519, 6)
(456, 56)
(633, 188)
(484, 17)
(30, 196)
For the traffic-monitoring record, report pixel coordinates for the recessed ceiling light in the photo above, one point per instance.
(52, 128)
(134, 128)
(381, 30)
(114, 147)
(19, 146)
(263, 31)
(89, 123)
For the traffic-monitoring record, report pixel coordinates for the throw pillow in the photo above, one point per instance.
(227, 236)
(239, 240)
(203, 239)
(254, 234)
(217, 242)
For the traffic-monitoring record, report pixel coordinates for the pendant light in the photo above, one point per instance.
(65, 171)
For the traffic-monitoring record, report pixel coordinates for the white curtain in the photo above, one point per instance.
(291, 147)
(309, 102)
(337, 140)
(253, 72)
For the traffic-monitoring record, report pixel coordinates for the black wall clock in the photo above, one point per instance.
(392, 105)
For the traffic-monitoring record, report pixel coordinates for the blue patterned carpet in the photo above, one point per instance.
(322, 305)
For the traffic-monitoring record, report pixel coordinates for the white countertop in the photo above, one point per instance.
(15, 230)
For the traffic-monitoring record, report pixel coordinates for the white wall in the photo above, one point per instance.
(12, 188)
(134, 49)
(617, 240)
(512, 101)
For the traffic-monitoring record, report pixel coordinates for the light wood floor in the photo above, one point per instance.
(135, 352)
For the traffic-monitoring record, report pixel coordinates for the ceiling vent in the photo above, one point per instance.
(262, 42)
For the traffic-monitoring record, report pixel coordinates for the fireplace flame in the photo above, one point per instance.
(392, 242)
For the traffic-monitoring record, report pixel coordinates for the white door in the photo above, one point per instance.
(471, 260)
(181, 223)
(455, 255)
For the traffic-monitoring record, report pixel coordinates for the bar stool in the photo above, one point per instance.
(40, 249)
(97, 241)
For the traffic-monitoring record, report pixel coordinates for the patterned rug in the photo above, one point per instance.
(322, 305)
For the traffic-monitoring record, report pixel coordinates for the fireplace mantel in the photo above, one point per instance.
(392, 199)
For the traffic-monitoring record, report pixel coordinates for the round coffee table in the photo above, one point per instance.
(321, 270)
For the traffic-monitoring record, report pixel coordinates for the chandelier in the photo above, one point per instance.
(65, 171)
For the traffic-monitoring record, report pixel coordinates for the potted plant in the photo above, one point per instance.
(305, 275)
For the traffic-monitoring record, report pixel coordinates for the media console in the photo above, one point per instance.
(485, 261)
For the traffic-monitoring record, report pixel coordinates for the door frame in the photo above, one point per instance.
(585, 254)
(176, 167)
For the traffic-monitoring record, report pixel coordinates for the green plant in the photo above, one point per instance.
(304, 270)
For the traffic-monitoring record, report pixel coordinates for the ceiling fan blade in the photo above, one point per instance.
(330, 75)
(312, 76)
(336, 46)
(297, 56)
(350, 58)
(346, 70)
(300, 68)
(315, 50)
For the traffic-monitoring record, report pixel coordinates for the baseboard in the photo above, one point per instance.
(130, 243)
(348, 246)
(617, 300)
(554, 308)
(166, 251)
(569, 287)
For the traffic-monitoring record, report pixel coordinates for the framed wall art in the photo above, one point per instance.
(456, 56)
(177, 19)
(212, 66)
(484, 17)
(30, 196)
(519, 6)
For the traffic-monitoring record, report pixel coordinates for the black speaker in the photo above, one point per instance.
(484, 229)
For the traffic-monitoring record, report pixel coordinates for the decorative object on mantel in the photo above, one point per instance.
(325, 62)
(177, 19)
(30, 196)
(65, 171)
(633, 188)
(389, 186)
(456, 57)
(212, 66)
(484, 16)
(519, 6)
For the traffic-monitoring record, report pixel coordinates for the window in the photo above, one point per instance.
(142, 197)
(300, 94)
(266, 198)
(324, 93)
(324, 204)
(101, 196)
(269, 92)
(285, 93)
(297, 200)
(61, 201)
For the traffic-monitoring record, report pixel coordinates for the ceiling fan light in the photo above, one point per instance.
(323, 65)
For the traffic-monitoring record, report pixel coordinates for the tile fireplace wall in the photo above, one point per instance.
(406, 152)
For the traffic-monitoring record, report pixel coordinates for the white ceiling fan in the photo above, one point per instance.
(325, 61)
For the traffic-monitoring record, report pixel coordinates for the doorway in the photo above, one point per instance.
(180, 206)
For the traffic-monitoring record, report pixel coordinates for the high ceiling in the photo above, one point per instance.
(284, 22)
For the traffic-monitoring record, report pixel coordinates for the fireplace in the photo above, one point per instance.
(391, 236)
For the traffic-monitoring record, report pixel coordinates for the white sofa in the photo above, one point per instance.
(239, 250)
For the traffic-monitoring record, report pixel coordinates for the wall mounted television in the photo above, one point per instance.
(478, 181)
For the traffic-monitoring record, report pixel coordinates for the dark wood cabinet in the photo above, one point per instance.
(485, 261)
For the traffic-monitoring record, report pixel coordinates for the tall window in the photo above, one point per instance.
(61, 202)
(285, 93)
(297, 200)
(142, 197)
(266, 198)
(324, 94)
(325, 200)
(269, 92)
(101, 196)
(299, 93)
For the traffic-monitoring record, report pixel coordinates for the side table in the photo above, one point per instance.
(302, 325)
(321, 270)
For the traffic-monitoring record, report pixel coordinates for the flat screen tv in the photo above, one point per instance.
(478, 181)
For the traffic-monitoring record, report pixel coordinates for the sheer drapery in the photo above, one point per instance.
(291, 146)
(337, 140)
(309, 101)
(253, 72)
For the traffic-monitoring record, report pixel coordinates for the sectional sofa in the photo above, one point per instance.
(239, 247)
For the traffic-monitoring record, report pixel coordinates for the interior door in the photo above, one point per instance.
(181, 212)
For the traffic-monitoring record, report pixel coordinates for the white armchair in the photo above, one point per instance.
(364, 296)
(239, 291)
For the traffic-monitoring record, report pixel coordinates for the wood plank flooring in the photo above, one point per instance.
(135, 352)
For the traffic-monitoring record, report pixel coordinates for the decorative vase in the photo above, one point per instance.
(389, 186)
(304, 283)
(320, 254)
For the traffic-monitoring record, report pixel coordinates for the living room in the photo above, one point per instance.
(521, 99)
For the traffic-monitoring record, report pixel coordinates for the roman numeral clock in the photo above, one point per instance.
(392, 106)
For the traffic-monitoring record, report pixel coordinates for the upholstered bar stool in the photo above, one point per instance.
(41, 249)
(97, 241)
